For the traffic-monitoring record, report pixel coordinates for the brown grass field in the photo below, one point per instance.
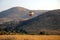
(29, 37)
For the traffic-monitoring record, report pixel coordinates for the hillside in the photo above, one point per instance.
(48, 22)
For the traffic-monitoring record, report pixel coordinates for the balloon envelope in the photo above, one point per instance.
(31, 14)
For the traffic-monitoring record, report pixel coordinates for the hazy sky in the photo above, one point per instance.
(30, 4)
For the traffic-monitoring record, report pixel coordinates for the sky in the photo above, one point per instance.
(30, 4)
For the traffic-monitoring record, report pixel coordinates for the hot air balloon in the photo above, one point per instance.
(31, 13)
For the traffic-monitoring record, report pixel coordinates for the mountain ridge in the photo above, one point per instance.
(19, 13)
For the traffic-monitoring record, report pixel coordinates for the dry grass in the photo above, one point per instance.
(29, 37)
